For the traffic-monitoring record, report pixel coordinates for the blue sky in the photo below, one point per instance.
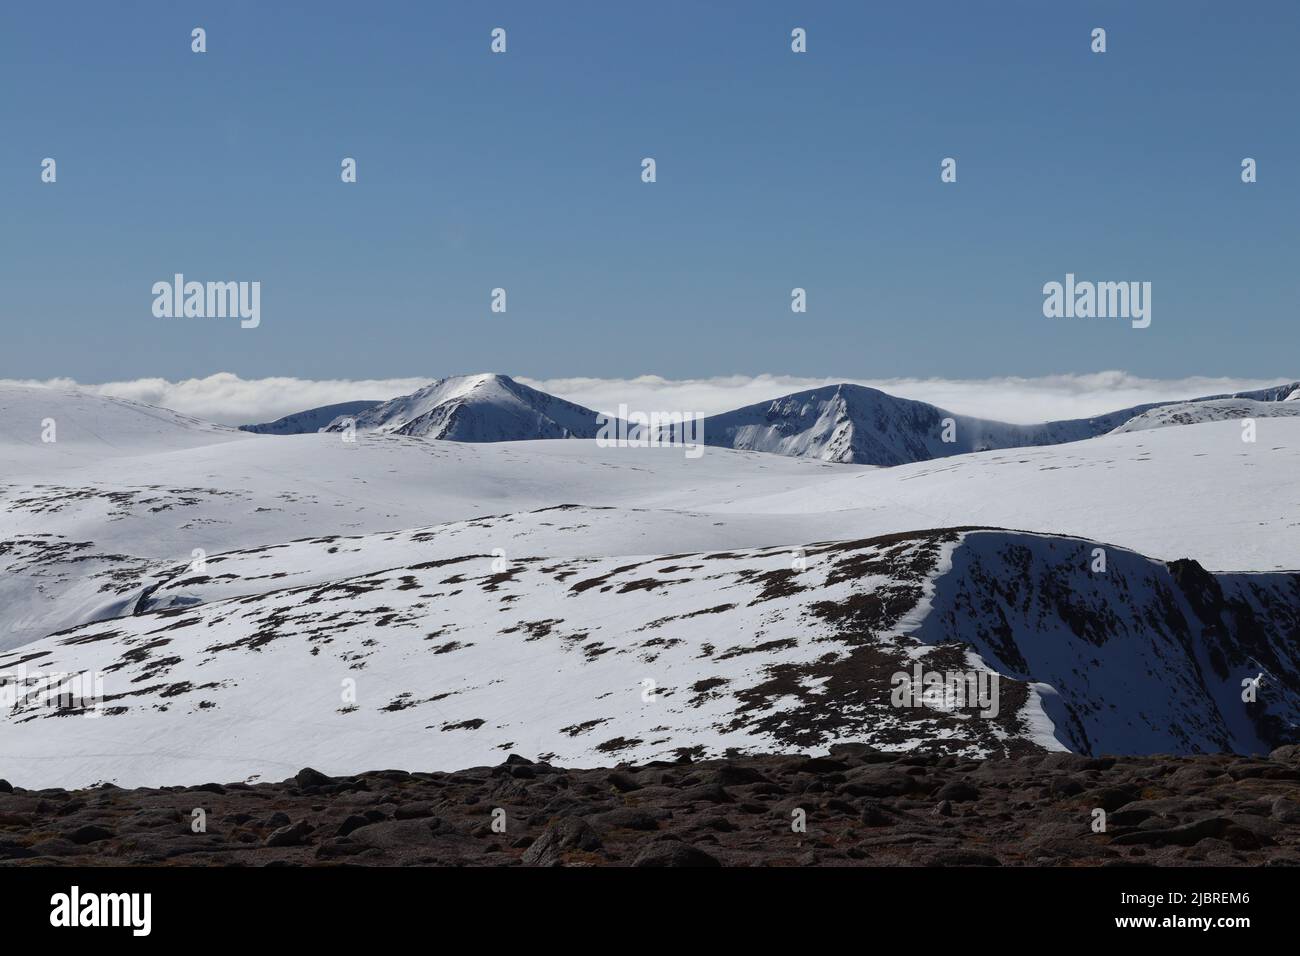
(522, 170)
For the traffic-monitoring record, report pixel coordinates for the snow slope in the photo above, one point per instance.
(478, 408)
(454, 662)
(1195, 491)
(90, 427)
(311, 420)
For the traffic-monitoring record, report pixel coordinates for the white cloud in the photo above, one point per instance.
(232, 400)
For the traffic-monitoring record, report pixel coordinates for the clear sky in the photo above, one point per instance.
(522, 171)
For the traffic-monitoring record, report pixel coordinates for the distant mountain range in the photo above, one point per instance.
(844, 423)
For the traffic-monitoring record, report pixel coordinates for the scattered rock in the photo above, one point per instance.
(874, 816)
(626, 818)
(353, 822)
(622, 782)
(863, 808)
(292, 835)
(560, 836)
(734, 775)
(851, 750)
(821, 765)
(1065, 786)
(1108, 798)
(1285, 810)
(1061, 760)
(400, 834)
(958, 791)
(12, 850)
(1189, 834)
(705, 793)
(957, 857)
(90, 833)
(1289, 754)
(878, 781)
(338, 847)
(673, 853)
(307, 777)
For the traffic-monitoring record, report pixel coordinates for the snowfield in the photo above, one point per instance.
(452, 662)
(494, 596)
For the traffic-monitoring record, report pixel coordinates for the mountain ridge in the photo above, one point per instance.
(476, 408)
(856, 424)
(840, 423)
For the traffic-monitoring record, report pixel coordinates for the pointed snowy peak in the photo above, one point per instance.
(477, 408)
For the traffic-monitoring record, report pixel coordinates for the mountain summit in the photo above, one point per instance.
(477, 408)
(856, 424)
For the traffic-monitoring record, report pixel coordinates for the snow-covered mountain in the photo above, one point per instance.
(456, 661)
(311, 420)
(1210, 410)
(837, 423)
(478, 408)
(853, 423)
(228, 583)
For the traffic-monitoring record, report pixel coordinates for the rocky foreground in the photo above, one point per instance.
(854, 807)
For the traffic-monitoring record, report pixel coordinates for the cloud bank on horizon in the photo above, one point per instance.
(228, 399)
